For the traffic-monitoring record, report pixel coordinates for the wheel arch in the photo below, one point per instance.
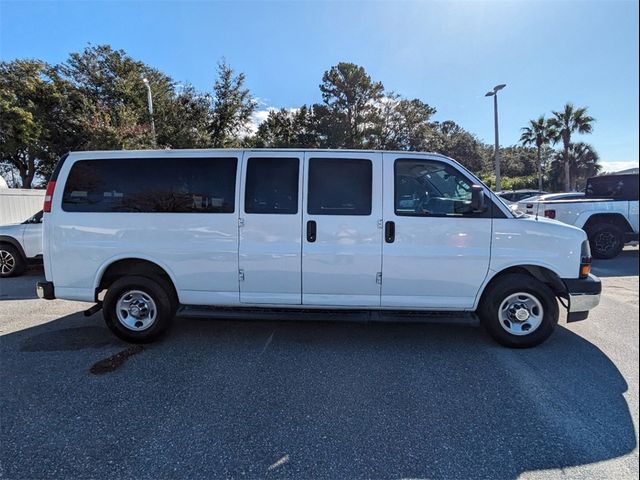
(614, 218)
(541, 273)
(138, 265)
(8, 240)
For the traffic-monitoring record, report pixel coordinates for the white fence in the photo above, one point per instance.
(17, 204)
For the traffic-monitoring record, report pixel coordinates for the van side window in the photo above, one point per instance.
(340, 186)
(430, 188)
(272, 185)
(167, 185)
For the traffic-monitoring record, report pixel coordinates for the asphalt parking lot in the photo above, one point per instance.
(265, 399)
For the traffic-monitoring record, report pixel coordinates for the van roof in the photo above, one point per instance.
(203, 150)
(124, 153)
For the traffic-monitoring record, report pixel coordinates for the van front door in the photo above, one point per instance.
(436, 250)
(270, 227)
(342, 234)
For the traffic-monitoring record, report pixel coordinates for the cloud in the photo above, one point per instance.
(260, 116)
(616, 166)
(257, 118)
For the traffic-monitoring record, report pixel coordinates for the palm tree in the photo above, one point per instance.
(538, 133)
(566, 122)
(583, 161)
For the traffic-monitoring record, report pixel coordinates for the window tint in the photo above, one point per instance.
(430, 188)
(179, 185)
(272, 185)
(621, 187)
(339, 186)
(631, 190)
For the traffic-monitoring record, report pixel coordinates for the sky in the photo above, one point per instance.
(448, 54)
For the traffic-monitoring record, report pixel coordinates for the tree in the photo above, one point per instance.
(30, 101)
(233, 106)
(583, 163)
(538, 133)
(288, 128)
(403, 124)
(184, 124)
(115, 112)
(276, 131)
(566, 122)
(450, 139)
(350, 98)
(516, 161)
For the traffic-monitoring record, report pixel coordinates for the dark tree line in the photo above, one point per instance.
(97, 100)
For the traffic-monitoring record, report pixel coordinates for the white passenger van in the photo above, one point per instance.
(145, 233)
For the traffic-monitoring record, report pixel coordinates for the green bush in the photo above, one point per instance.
(510, 183)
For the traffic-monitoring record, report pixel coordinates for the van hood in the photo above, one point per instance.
(552, 225)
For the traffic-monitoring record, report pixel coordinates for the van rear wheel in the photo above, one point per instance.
(519, 311)
(138, 309)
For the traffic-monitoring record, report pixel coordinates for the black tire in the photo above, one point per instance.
(12, 263)
(503, 288)
(606, 240)
(162, 296)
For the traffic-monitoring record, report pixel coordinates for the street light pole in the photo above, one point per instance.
(494, 93)
(150, 105)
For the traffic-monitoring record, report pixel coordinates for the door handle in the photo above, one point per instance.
(389, 232)
(311, 231)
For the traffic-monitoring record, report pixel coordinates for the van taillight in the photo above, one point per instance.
(48, 196)
(550, 213)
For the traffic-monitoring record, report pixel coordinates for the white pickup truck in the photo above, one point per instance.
(608, 212)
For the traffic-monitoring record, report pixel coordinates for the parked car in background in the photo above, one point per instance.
(548, 197)
(20, 245)
(607, 211)
(253, 230)
(517, 195)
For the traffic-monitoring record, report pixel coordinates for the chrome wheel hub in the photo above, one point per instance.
(521, 314)
(136, 310)
(7, 262)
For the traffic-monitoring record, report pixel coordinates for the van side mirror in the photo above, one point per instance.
(477, 199)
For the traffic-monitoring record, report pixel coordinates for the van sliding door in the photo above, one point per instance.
(342, 230)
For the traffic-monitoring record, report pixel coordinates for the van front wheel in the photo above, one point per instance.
(519, 311)
(138, 309)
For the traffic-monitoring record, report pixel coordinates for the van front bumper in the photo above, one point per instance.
(584, 295)
(45, 290)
